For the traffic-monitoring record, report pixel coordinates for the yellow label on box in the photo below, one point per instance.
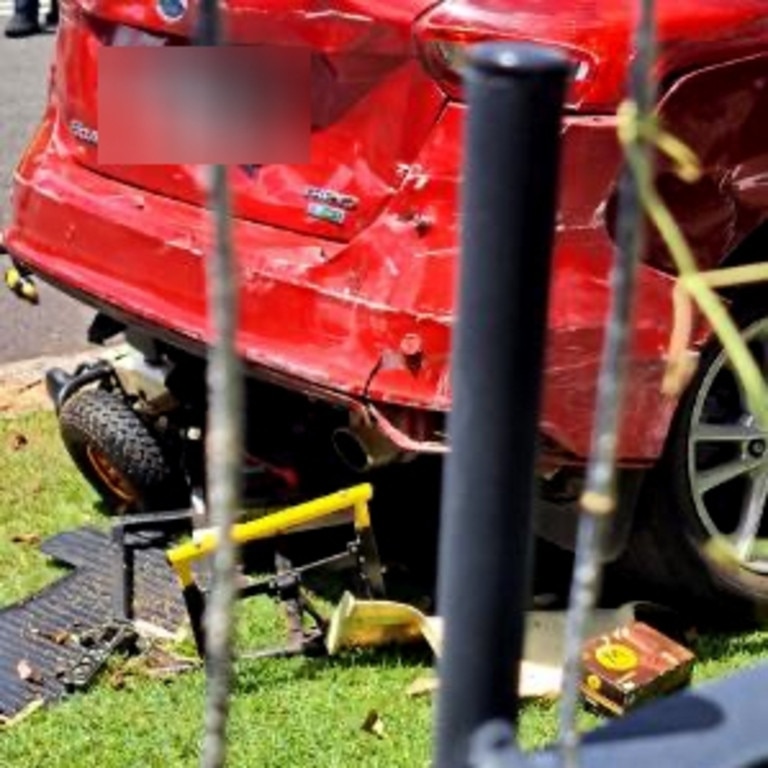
(616, 657)
(593, 681)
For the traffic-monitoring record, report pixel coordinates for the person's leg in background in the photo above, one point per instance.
(52, 17)
(25, 20)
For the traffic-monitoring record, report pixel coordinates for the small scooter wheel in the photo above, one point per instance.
(119, 455)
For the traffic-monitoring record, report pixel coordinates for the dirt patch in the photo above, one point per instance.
(15, 400)
(22, 385)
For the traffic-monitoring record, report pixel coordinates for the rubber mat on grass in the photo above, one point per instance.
(42, 638)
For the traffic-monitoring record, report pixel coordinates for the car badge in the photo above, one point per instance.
(325, 212)
(331, 197)
(83, 132)
(172, 10)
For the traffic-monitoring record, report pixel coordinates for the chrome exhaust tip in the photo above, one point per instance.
(363, 448)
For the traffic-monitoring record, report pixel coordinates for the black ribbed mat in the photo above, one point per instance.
(41, 638)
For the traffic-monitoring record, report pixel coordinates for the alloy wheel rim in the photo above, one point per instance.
(727, 458)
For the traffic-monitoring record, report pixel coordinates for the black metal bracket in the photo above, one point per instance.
(306, 625)
(286, 588)
(103, 328)
(135, 532)
(62, 385)
(98, 647)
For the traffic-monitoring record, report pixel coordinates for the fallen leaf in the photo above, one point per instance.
(117, 680)
(373, 724)
(28, 673)
(166, 674)
(59, 637)
(422, 686)
(18, 441)
(31, 539)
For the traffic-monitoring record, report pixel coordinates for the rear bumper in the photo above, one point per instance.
(366, 323)
(140, 257)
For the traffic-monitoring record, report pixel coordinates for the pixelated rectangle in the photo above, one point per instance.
(229, 105)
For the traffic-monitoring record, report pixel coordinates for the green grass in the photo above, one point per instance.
(40, 494)
(285, 712)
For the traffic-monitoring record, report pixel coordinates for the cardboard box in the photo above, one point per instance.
(631, 665)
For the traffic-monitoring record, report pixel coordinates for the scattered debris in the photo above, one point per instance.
(28, 673)
(374, 725)
(159, 662)
(149, 631)
(98, 646)
(422, 686)
(357, 623)
(19, 441)
(57, 637)
(631, 665)
(154, 661)
(367, 623)
(117, 679)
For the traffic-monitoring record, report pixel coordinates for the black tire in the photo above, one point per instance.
(119, 456)
(667, 548)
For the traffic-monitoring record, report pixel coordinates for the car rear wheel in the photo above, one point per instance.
(711, 485)
(119, 455)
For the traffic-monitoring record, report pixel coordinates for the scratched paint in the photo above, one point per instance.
(325, 302)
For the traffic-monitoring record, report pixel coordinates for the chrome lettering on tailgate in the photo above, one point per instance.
(84, 132)
(331, 197)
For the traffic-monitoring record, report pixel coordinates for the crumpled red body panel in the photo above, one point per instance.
(366, 313)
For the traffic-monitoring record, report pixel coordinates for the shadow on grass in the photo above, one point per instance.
(253, 676)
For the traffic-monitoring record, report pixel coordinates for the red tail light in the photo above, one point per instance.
(444, 60)
(443, 53)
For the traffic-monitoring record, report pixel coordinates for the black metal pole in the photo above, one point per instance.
(515, 96)
(123, 575)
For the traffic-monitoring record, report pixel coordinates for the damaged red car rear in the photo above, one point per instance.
(347, 263)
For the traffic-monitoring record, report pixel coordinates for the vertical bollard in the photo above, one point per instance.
(515, 96)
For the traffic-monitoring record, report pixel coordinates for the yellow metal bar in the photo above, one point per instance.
(362, 515)
(184, 573)
(355, 498)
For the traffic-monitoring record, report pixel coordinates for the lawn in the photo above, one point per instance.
(285, 712)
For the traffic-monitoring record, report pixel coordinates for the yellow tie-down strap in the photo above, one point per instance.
(354, 500)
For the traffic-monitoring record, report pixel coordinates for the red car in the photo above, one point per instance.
(347, 263)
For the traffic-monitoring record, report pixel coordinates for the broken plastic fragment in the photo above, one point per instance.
(373, 724)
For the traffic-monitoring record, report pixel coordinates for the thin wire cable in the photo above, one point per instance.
(599, 498)
(223, 442)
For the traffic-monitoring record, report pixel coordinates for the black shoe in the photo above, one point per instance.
(22, 26)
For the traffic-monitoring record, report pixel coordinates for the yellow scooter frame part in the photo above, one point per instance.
(184, 555)
(276, 524)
